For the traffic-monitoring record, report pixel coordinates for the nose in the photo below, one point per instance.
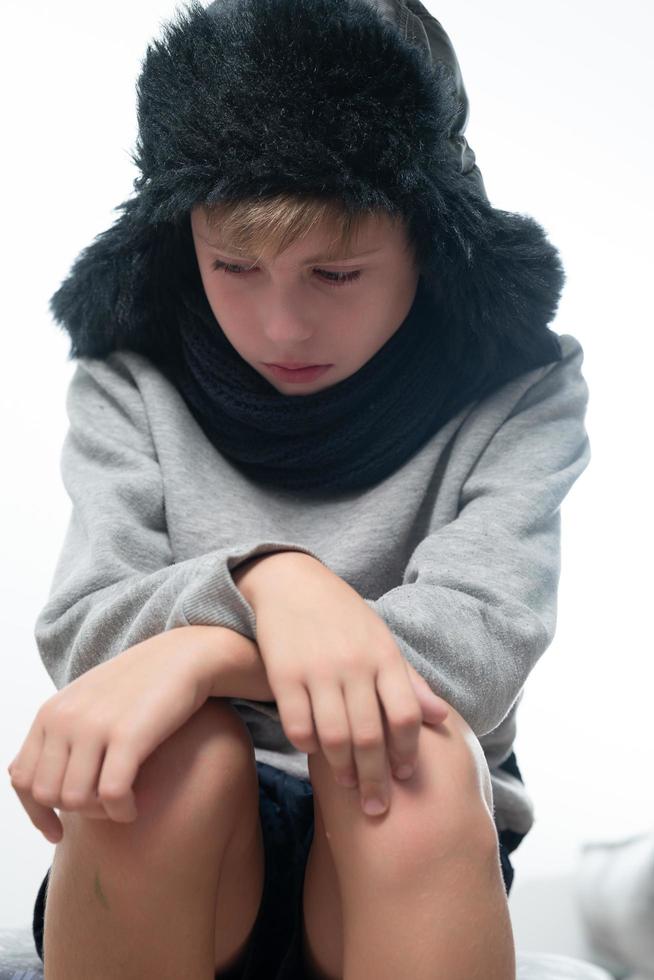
(287, 328)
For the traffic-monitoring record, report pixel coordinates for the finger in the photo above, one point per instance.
(43, 817)
(333, 728)
(22, 771)
(434, 709)
(79, 789)
(403, 715)
(404, 718)
(294, 707)
(25, 763)
(36, 777)
(369, 741)
(118, 773)
(50, 769)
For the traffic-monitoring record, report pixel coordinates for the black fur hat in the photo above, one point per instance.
(357, 99)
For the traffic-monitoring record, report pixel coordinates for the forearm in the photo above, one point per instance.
(228, 663)
(257, 575)
(233, 662)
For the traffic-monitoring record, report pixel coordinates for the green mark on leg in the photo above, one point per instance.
(98, 891)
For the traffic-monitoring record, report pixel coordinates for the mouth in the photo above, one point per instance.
(295, 366)
(307, 372)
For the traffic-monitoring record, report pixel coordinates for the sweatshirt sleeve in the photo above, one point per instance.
(477, 604)
(116, 582)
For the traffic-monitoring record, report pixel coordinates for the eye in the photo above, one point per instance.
(342, 278)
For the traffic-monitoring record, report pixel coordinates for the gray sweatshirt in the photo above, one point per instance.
(458, 551)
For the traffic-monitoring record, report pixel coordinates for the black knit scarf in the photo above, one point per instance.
(346, 437)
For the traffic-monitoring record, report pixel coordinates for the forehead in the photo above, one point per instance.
(375, 232)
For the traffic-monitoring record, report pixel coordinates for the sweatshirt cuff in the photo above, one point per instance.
(217, 601)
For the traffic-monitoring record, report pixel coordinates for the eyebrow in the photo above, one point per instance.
(310, 261)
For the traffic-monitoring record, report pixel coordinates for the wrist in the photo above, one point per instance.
(209, 651)
(230, 665)
(252, 575)
(244, 577)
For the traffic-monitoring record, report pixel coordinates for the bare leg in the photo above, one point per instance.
(421, 886)
(138, 901)
(453, 926)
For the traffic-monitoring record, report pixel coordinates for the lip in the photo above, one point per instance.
(298, 374)
(293, 365)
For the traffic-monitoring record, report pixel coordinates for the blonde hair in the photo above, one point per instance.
(269, 226)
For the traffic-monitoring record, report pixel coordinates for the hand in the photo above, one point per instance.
(87, 742)
(434, 708)
(332, 665)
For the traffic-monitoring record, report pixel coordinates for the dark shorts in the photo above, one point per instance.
(286, 808)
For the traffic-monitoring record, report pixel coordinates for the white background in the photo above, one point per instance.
(560, 122)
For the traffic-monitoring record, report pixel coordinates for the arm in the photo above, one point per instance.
(116, 582)
(477, 604)
(478, 601)
(229, 664)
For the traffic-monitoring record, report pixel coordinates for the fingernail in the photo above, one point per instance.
(373, 807)
(403, 772)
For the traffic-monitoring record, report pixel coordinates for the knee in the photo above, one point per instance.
(206, 760)
(454, 806)
(203, 767)
(446, 813)
(443, 811)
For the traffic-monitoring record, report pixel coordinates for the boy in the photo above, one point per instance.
(360, 565)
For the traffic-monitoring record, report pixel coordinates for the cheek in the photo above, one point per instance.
(235, 322)
(221, 299)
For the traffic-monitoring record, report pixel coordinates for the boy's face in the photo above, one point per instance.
(287, 310)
